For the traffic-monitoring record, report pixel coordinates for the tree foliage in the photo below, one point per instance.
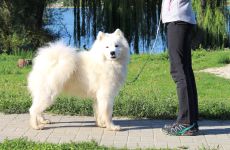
(138, 20)
(21, 25)
(134, 17)
(212, 24)
(22, 21)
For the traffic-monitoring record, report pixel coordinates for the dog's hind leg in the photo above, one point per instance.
(42, 120)
(39, 105)
(34, 111)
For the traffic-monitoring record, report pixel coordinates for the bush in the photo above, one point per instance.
(224, 59)
(24, 41)
(22, 25)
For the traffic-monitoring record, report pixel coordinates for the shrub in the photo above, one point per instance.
(224, 59)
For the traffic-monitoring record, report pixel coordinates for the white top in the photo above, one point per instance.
(177, 10)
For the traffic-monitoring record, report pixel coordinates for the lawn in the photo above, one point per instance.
(24, 144)
(152, 95)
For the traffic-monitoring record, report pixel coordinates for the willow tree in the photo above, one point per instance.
(212, 23)
(136, 18)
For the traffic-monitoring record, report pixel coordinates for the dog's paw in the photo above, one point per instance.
(114, 128)
(46, 121)
(38, 127)
(101, 125)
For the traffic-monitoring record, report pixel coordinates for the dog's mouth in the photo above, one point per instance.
(113, 57)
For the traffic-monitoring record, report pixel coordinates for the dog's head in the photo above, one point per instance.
(114, 46)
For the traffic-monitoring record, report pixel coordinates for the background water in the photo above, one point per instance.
(79, 27)
(64, 25)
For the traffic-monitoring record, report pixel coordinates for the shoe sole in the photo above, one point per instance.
(188, 133)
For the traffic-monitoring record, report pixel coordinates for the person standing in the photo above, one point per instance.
(179, 19)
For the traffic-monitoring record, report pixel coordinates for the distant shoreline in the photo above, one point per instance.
(58, 5)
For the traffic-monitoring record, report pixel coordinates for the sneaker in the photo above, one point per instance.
(178, 129)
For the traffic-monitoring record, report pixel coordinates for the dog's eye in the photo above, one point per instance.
(107, 47)
(116, 45)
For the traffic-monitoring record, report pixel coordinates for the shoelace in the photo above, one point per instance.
(180, 129)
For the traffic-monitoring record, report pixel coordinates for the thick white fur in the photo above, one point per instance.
(95, 74)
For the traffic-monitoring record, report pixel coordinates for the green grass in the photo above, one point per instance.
(153, 95)
(24, 144)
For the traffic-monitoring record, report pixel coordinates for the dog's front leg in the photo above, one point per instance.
(105, 111)
(95, 108)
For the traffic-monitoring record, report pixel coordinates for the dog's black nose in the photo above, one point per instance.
(112, 53)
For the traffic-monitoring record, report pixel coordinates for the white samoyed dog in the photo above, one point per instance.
(97, 74)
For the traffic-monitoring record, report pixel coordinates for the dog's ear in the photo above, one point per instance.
(100, 35)
(118, 32)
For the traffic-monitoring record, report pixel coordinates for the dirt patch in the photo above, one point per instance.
(220, 71)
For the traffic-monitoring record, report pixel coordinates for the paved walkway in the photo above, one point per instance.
(135, 133)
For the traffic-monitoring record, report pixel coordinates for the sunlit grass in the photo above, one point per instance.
(152, 95)
(24, 144)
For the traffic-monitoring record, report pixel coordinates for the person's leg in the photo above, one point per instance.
(179, 44)
(176, 34)
(191, 84)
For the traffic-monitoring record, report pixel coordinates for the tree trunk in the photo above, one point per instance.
(39, 13)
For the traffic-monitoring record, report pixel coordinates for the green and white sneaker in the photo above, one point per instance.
(177, 129)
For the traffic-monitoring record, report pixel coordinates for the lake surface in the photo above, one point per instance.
(65, 26)
(79, 27)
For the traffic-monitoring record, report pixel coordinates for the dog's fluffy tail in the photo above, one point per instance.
(52, 67)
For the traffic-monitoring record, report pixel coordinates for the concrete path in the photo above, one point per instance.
(135, 133)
